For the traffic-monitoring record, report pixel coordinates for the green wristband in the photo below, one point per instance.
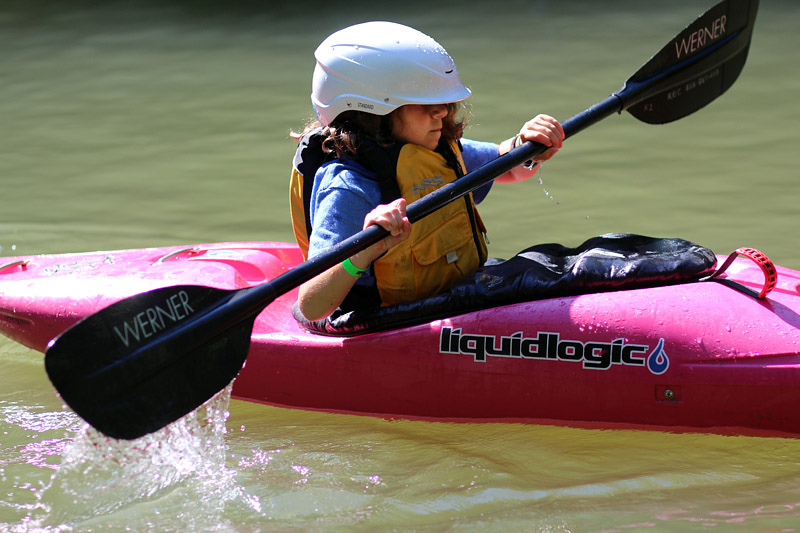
(351, 269)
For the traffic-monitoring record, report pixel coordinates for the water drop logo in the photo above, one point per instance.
(657, 361)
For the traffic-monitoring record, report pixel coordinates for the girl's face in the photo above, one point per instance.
(419, 124)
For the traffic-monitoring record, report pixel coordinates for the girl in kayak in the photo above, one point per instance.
(389, 104)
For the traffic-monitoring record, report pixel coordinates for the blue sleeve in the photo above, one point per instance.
(477, 154)
(342, 197)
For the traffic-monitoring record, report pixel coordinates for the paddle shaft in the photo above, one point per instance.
(252, 300)
(244, 304)
(634, 91)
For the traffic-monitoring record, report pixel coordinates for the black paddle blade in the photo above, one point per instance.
(696, 67)
(148, 360)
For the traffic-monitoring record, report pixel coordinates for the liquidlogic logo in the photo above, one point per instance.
(550, 346)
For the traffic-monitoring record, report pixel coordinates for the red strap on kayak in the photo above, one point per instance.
(22, 264)
(767, 267)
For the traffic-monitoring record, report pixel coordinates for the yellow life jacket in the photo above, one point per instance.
(443, 246)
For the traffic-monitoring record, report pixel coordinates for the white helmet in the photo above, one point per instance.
(377, 67)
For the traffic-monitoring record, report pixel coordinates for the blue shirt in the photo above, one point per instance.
(344, 192)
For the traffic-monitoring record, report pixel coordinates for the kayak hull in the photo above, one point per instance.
(691, 357)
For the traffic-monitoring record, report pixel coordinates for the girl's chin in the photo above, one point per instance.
(433, 141)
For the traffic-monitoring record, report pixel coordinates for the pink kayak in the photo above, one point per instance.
(701, 356)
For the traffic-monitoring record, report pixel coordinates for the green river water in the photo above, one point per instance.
(137, 124)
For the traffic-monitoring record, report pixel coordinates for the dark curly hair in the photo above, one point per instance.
(341, 135)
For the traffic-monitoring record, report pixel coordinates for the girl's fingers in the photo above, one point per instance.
(391, 217)
(544, 129)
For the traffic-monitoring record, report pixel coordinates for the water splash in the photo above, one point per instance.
(103, 482)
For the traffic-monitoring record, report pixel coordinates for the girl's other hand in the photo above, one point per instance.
(545, 130)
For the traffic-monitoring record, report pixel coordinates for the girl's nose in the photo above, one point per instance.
(438, 110)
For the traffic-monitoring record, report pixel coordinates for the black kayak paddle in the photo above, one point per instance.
(127, 385)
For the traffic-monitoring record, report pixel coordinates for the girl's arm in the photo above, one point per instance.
(320, 296)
